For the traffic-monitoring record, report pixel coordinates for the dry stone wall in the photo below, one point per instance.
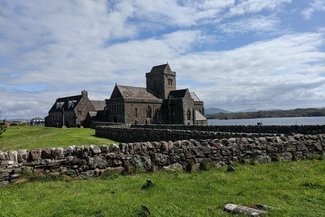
(286, 129)
(170, 155)
(137, 134)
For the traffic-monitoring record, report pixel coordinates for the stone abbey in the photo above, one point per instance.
(157, 103)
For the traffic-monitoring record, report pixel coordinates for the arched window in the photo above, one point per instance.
(136, 112)
(189, 115)
(149, 112)
(156, 115)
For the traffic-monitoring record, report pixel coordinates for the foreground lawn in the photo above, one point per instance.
(40, 137)
(295, 189)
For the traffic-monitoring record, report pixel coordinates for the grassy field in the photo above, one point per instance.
(295, 189)
(40, 137)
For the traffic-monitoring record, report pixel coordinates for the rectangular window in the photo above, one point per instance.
(170, 81)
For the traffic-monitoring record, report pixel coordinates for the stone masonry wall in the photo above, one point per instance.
(303, 129)
(147, 156)
(137, 134)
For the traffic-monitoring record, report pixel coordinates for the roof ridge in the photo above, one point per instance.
(118, 85)
(70, 97)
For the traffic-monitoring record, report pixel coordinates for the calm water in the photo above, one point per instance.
(271, 121)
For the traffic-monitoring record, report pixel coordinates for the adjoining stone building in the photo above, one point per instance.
(158, 103)
(72, 111)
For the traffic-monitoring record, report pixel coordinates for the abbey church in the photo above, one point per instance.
(157, 103)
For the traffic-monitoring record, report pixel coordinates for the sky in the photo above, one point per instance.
(235, 54)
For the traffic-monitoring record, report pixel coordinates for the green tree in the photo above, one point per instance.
(3, 127)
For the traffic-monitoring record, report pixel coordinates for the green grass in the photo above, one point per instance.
(40, 137)
(295, 189)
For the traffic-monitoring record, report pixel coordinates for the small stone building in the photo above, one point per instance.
(157, 103)
(37, 121)
(72, 111)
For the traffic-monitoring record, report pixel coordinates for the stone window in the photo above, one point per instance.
(170, 81)
(189, 114)
(149, 112)
(136, 112)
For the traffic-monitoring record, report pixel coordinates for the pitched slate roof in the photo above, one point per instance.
(66, 103)
(177, 93)
(199, 116)
(98, 104)
(129, 92)
(159, 68)
(194, 97)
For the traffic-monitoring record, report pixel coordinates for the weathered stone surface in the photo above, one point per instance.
(161, 159)
(2, 156)
(58, 153)
(46, 153)
(318, 146)
(237, 209)
(35, 155)
(96, 150)
(173, 167)
(13, 155)
(22, 156)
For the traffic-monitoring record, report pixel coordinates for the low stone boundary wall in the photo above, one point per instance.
(137, 134)
(147, 156)
(303, 129)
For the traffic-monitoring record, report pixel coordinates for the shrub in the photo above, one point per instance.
(205, 165)
(190, 166)
(3, 127)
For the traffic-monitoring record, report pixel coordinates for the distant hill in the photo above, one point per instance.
(298, 112)
(212, 111)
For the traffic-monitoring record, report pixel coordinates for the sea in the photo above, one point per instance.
(271, 121)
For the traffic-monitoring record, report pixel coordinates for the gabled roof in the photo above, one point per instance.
(129, 92)
(64, 99)
(66, 103)
(177, 93)
(199, 116)
(164, 68)
(98, 104)
(159, 68)
(195, 97)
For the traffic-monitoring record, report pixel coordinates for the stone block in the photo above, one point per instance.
(2, 156)
(35, 155)
(95, 150)
(318, 146)
(161, 159)
(58, 153)
(13, 156)
(173, 167)
(22, 156)
(46, 154)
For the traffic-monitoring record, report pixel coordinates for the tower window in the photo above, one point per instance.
(170, 81)
(136, 112)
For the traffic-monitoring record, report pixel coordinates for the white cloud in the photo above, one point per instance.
(58, 48)
(254, 6)
(271, 72)
(251, 24)
(314, 6)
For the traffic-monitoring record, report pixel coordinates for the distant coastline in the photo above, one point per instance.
(307, 112)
